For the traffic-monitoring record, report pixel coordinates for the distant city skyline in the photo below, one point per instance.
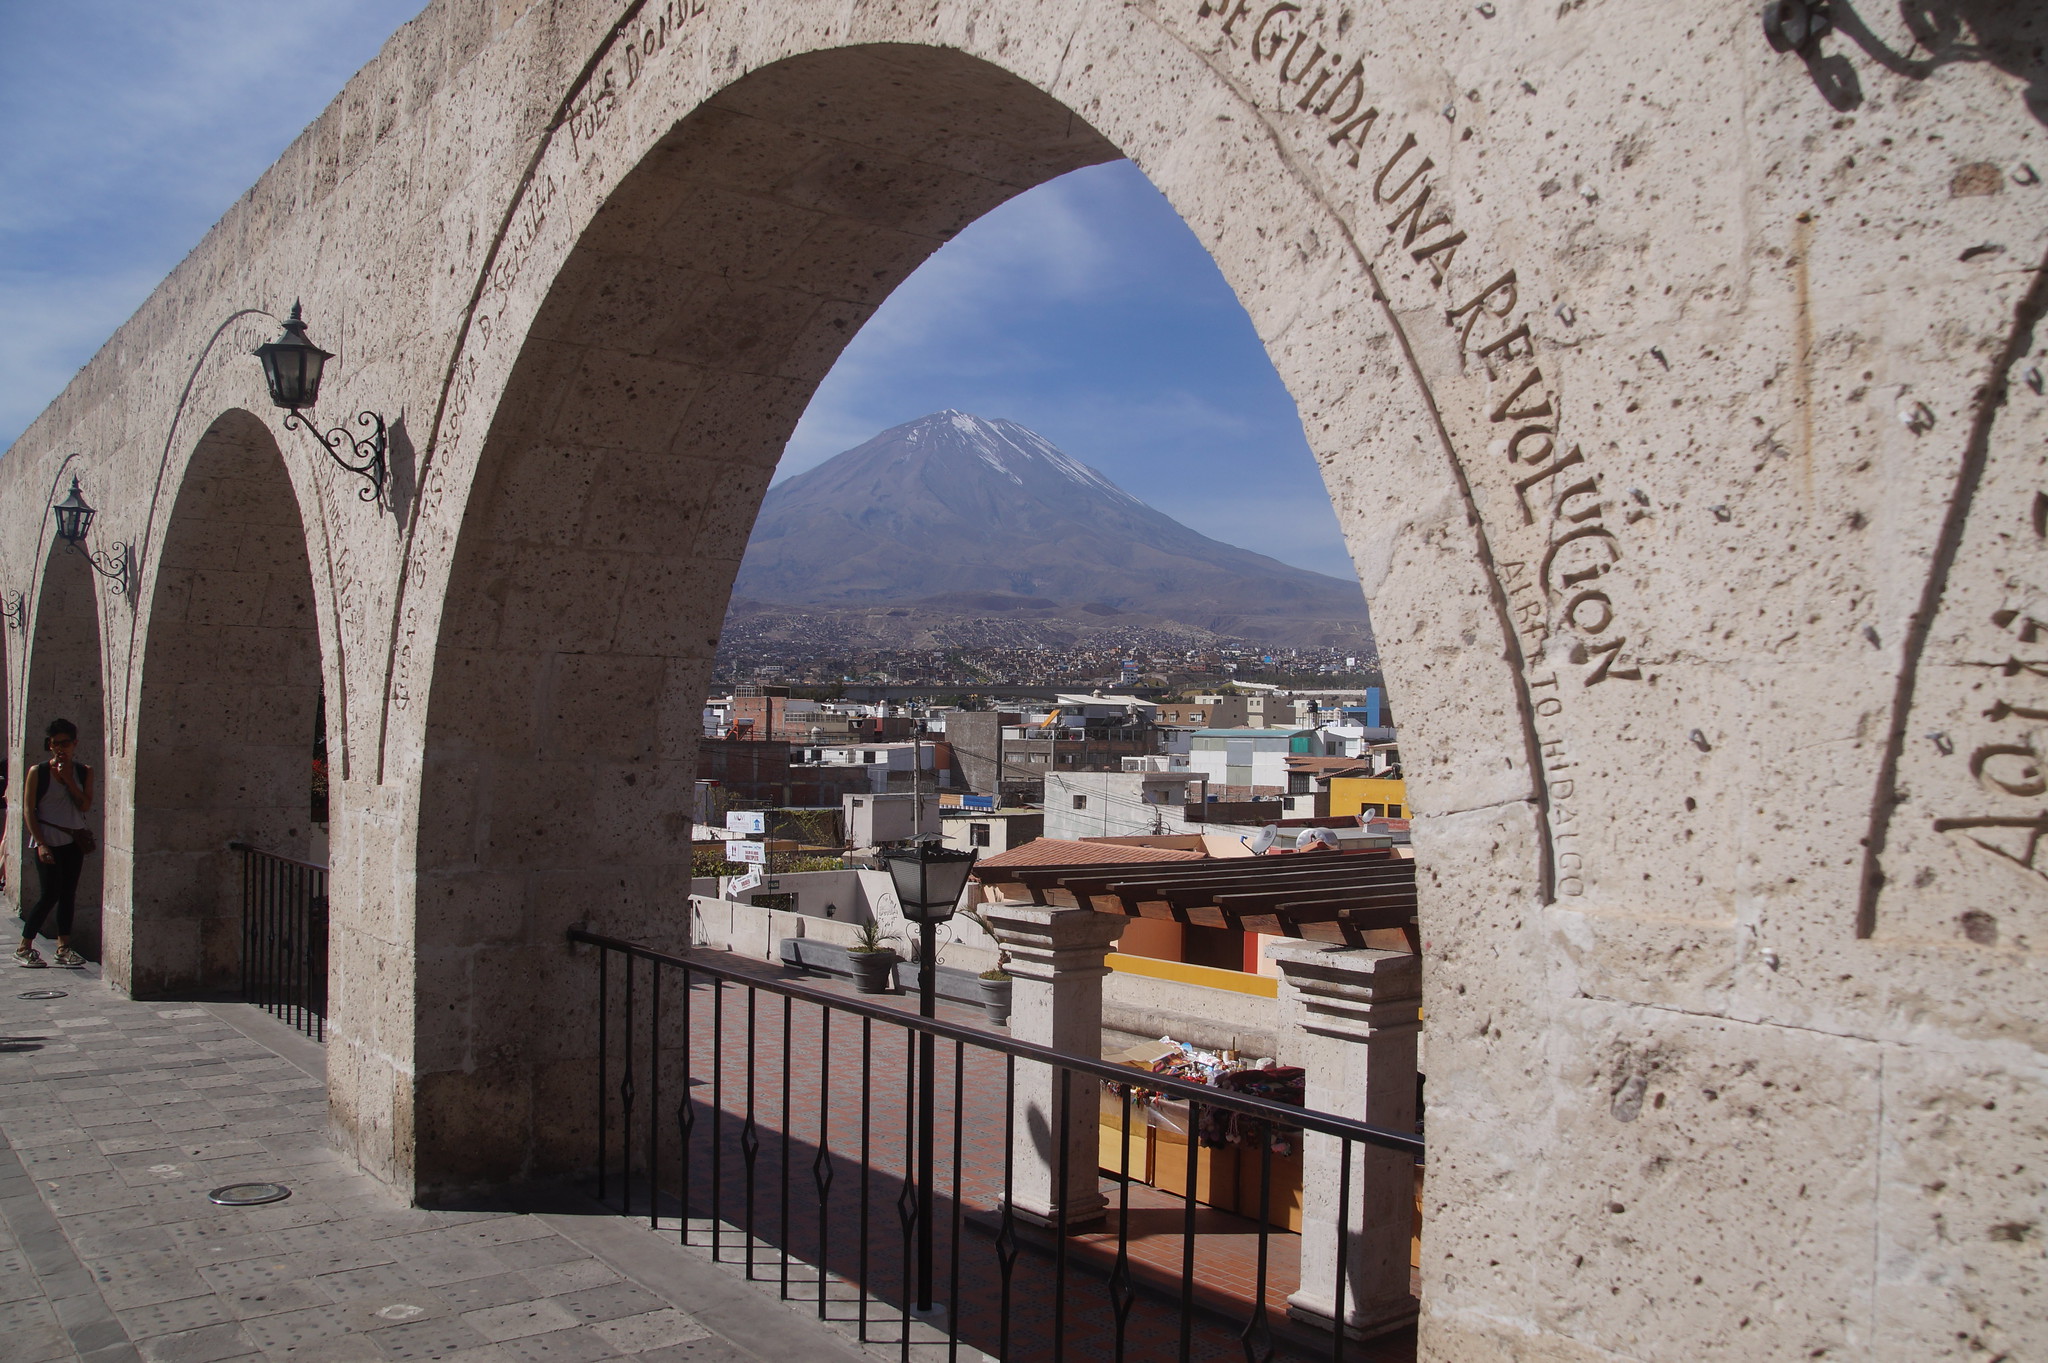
(1084, 308)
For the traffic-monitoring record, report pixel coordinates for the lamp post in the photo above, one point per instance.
(928, 881)
(74, 518)
(292, 366)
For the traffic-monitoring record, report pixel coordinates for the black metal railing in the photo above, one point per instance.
(284, 938)
(777, 1125)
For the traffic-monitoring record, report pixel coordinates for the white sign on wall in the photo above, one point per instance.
(741, 884)
(752, 853)
(747, 820)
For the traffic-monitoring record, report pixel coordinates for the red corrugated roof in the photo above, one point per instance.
(1060, 852)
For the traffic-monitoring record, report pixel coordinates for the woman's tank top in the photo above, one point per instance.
(54, 810)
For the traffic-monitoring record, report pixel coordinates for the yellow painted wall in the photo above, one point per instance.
(1351, 794)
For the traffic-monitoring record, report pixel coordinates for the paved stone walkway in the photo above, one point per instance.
(117, 1117)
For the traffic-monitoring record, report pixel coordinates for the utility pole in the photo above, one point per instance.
(916, 774)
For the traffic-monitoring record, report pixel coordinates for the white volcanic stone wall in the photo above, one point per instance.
(1682, 402)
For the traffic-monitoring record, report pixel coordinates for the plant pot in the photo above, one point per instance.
(995, 1000)
(872, 970)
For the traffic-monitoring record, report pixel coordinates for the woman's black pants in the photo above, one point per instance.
(59, 881)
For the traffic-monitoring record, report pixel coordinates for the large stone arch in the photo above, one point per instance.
(1686, 435)
(64, 667)
(228, 700)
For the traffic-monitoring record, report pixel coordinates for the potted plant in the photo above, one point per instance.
(995, 982)
(995, 995)
(873, 960)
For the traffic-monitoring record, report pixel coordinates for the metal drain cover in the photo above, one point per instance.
(249, 1194)
(46, 994)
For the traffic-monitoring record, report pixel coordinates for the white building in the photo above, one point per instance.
(872, 820)
(887, 764)
(1249, 757)
(1118, 804)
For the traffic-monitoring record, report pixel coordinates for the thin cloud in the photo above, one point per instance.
(131, 126)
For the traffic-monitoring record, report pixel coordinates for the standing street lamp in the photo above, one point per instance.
(74, 518)
(292, 366)
(929, 880)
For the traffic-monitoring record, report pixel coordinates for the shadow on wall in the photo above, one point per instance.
(2010, 36)
(64, 679)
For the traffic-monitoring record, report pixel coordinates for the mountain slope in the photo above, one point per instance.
(985, 512)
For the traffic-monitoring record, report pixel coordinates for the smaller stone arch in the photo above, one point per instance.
(227, 713)
(63, 679)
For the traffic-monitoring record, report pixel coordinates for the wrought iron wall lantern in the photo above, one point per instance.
(74, 519)
(292, 366)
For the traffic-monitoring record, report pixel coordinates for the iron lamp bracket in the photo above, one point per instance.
(368, 453)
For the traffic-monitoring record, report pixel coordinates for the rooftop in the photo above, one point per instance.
(1061, 852)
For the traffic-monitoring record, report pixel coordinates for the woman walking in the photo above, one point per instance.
(57, 798)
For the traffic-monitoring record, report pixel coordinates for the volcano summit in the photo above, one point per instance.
(954, 514)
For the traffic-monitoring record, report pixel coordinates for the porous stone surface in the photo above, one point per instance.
(1682, 403)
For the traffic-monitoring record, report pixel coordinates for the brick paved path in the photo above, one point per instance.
(827, 1073)
(116, 1118)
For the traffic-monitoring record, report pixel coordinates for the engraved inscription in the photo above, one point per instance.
(1556, 542)
(1964, 852)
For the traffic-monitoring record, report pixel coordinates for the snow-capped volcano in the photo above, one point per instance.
(954, 503)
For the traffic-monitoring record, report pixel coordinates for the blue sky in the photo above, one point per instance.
(1084, 309)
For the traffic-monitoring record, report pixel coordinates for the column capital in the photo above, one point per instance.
(1349, 993)
(1046, 942)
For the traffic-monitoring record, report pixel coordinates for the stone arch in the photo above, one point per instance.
(63, 674)
(230, 682)
(674, 353)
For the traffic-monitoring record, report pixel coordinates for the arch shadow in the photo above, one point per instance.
(228, 712)
(63, 679)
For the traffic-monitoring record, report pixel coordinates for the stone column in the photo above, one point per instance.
(1056, 961)
(1356, 1015)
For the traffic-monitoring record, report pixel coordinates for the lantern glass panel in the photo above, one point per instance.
(292, 366)
(74, 516)
(929, 881)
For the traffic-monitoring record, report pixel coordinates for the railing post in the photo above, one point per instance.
(1056, 961)
(1357, 1014)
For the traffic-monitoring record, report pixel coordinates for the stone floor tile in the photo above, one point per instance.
(385, 1280)
(17, 1277)
(272, 1299)
(277, 1334)
(229, 1147)
(711, 1350)
(498, 1229)
(649, 1330)
(17, 1316)
(242, 1274)
(158, 1287)
(103, 1244)
(282, 1215)
(172, 1317)
(228, 1249)
(562, 1346)
(110, 1219)
(422, 1339)
(340, 1349)
(550, 1279)
(518, 1319)
(136, 1140)
(538, 1252)
(472, 1293)
(609, 1302)
(453, 1265)
(212, 1344)
(158, 1173)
